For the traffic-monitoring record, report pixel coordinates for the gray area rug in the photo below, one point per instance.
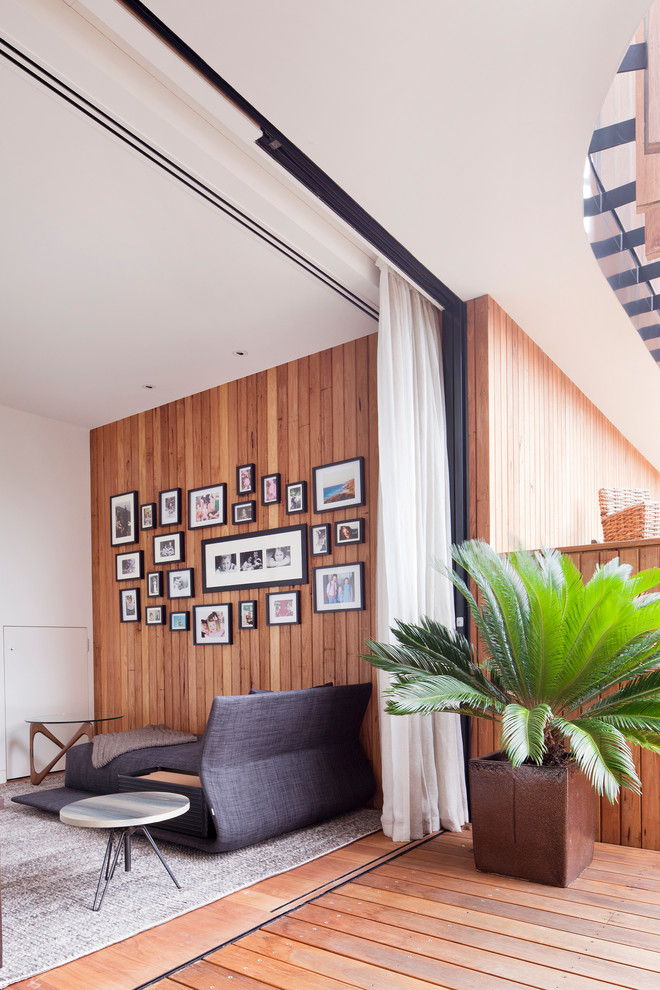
(49, 873)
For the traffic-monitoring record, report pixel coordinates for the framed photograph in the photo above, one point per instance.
(247, 615)
(207, 506)
(154, 615)
(129, 604)
(245, 479)
(270, 489)
(169, 507)
(123, 519)
(296, 497)
(264, 559)
(211, 624)
(168, 549)
(339, 485)
(179, 621)
(319, 539)
(154, 584)
(339, 588)
(148, 515)
(129, 566)
(349, 531)
(243, 512)
(283, 608)
(181, 583)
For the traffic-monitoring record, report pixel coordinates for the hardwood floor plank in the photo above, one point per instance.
(588, 945)
(503, 943)
(483, 961)
(209, 976)
(274, 972)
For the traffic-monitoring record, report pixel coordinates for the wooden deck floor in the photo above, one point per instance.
(423, 919)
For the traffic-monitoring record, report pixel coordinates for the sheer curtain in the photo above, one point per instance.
(423, 777)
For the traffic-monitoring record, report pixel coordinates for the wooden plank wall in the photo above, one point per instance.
(288, 419)
(539, 449)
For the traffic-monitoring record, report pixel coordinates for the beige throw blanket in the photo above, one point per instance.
(105, 747)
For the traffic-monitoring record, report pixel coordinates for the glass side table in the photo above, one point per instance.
(85, 725)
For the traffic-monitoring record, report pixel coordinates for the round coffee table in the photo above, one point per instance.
(124, 814)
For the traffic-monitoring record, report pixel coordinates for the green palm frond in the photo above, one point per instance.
(523, 732)
(561, 659)
(428, 694)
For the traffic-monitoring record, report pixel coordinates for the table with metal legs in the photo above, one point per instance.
(124, 814)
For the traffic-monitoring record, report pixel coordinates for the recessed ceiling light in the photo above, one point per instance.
(147, 386)
(239, 353)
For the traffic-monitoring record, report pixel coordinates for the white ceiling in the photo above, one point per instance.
(461, 127)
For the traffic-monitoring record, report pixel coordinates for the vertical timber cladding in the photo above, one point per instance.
(289, 419)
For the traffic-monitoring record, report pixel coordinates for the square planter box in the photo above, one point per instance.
(535, 823)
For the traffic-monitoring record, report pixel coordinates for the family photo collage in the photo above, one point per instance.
(271, 558)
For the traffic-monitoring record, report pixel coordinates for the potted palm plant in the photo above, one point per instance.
(573, 672)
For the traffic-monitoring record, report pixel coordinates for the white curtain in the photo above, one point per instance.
(423, 774)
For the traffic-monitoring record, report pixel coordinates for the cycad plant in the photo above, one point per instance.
(572, 669)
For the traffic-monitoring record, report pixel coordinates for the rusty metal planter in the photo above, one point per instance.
(535, 823)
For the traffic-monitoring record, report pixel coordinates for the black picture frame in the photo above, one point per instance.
(339, 485)
(169, 507)
(179, 621)
(129, 605)
(263, 559)
(351, 574)
(181, 583)
(154, 584)
(247, 614)
(283, 608)
(319, 540)
(245, 479)
(154, 615)
(205, 635)
(349, 531)
(148, 515)
(243, 512)
(296, 497)
(129, 566)
(207, 506)
(169, 548)
(123, 519)
(271, 489)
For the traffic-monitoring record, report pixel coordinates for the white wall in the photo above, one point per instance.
(45, 529)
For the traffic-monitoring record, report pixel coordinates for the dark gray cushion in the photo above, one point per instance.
(80, 773)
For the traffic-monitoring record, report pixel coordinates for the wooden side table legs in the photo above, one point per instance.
(38, 728)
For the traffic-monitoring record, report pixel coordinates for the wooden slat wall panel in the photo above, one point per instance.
(289, 419)
(540, 450)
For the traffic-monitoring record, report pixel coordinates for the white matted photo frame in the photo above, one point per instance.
(339, 485)
(154, 584)
(245, 479)
(154, 615)
(319, 539)
(338, 587)
(247, 615)
(179, 621)
(243, 512)
(271, 492)
(169, 507)
(296, 497)
(212, 625)
(148, 515)
(129, 604)
(349, 531)
(283, 608)
(181, 583)
(169, 548)
(207, 506)
(129, 566)
(264, 559)
(124, 519)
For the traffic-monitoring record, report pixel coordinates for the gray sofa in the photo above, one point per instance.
(268, 762)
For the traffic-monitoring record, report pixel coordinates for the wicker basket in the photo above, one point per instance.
(637, 522)
(614, 499)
